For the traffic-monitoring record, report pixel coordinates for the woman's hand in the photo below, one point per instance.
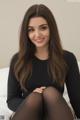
(39, 90)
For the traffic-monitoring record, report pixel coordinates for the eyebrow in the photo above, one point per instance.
(39, 25)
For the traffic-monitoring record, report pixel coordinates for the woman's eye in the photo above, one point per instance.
(30, 30)
(44, 28)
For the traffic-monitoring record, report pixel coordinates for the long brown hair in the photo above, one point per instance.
(57, 65)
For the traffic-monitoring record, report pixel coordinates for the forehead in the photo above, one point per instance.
(36, 21)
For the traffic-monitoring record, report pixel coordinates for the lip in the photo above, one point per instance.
(39, 40)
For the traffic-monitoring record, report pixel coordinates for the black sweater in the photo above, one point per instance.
(40, 77)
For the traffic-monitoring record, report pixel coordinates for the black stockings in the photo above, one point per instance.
(49, 105)
(56, 105)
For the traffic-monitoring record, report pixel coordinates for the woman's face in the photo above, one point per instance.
(38, 32)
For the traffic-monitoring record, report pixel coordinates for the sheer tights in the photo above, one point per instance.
(56, 105)
(50, 105)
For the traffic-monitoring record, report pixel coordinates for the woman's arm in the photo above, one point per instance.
(14, 93)
(73, 84)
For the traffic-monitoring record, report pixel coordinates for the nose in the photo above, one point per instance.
(37, 33)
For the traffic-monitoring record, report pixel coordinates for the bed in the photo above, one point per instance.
(4, 111)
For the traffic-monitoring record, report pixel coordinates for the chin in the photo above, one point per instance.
(39, 46)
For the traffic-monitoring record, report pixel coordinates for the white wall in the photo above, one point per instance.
(67, 16)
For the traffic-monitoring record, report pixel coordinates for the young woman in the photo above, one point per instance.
(40, 69)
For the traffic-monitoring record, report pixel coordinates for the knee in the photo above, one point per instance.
(33, 101)
(51, 94)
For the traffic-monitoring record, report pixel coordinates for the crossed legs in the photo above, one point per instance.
(50, 104)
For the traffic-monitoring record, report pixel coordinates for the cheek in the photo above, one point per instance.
(47, 34)
(30, 36)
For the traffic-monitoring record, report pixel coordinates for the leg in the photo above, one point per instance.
(56, 105)
(30, 109)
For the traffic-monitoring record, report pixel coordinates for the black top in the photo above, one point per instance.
(40, 77)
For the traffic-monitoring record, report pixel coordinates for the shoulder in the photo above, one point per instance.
(14, 59)
(68, 54)
(69, 57)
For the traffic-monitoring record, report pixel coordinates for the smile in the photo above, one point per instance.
(39, 41)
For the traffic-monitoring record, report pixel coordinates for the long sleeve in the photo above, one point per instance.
(14, 92)
(73, 83)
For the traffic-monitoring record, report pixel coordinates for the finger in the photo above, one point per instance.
(43, 88)
(38, 90)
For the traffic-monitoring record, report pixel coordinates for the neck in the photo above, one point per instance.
(42, 53)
